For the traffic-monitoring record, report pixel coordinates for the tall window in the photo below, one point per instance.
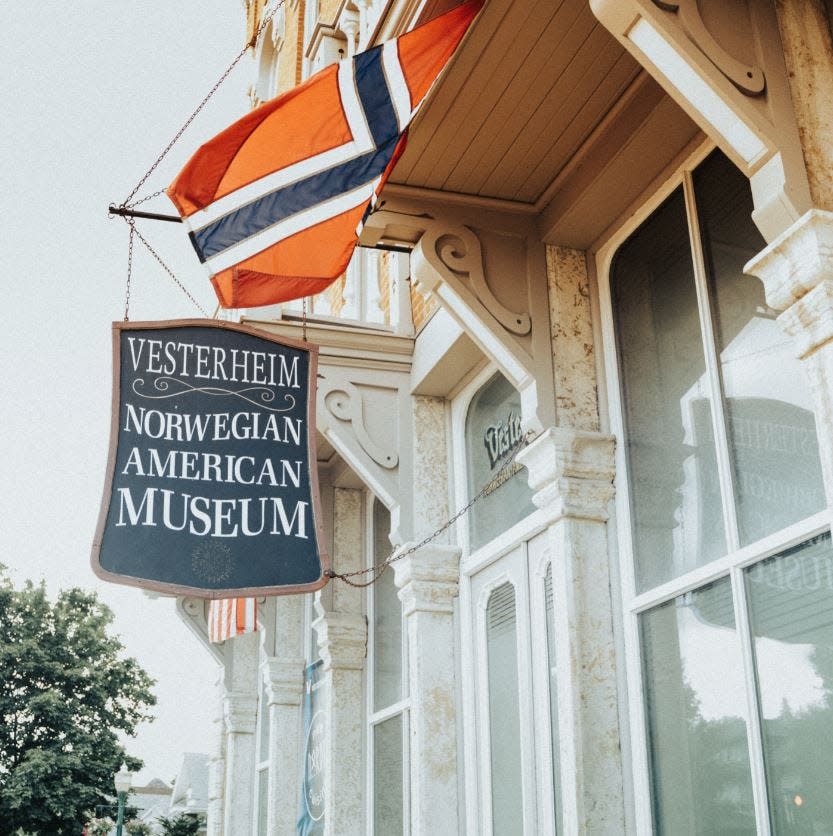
(262, 768)
(387, 692)
(720, 504)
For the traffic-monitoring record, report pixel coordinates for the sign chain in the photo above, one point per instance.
(252, 43)
(129, 269)
(130, 203)
(490, 487)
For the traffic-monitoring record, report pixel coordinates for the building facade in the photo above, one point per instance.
(619, 224)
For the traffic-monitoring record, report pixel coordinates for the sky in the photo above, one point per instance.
(91, 91)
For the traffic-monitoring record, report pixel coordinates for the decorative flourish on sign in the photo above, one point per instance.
(748, 78)
(458, 250)
(344, 401)
(163, 384)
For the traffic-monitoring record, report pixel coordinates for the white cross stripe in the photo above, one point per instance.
(397, 86)
(352, 105)
(284, 229)
(361, 143)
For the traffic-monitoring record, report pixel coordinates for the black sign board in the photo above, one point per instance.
(211, 483)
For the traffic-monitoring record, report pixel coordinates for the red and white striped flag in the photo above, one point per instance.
(230, 617)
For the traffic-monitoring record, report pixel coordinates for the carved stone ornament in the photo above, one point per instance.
(747, 78)
(344, 401)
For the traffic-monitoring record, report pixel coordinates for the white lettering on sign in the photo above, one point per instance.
(204, 516)
(213, 362)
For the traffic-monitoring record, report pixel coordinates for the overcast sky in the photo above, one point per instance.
(91, 92)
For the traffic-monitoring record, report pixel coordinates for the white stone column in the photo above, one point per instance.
(342, 642)
(284, 680)
(428, 582)
(797, 272)
(571, 472)
(240, 712)
(216, 768)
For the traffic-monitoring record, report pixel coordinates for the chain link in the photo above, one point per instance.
(263, 24)
(142, 200)
(129, 268)
(167, 269)
(490, 487)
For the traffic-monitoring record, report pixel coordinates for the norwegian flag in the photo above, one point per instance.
(230, 617)
(274, 204)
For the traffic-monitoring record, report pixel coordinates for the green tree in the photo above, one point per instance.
(181, 825)
(66, 693)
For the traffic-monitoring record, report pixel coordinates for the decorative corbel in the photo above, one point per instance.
(447, 261)
(747, 78)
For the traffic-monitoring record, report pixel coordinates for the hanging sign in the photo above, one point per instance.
(211, 482)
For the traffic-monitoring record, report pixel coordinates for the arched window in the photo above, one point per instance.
(493, 430)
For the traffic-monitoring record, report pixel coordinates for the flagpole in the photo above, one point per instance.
(135, 213)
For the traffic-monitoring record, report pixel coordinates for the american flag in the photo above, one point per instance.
(274, 204)
(230, 617)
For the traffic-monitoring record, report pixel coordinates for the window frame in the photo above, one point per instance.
(400, 708)
(736, 559)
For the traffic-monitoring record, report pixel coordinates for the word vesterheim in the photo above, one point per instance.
(211, 362)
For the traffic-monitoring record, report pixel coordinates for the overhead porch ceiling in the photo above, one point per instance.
(543, 111)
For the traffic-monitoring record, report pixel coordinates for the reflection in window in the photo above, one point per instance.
(493, 429)
(662, 331)
(675, 497)
(696, 715)
(387, 777)
(771, 429)
(792, 625)
(504, 712)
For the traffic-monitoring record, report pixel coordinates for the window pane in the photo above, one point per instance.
(792, 624)
(262, 801)
(556, 747)
(387, 777)
(504, 712)
(387, 619)
(674, 490)
(696, 715)
(492, 428)
(772, 433)
(263, 743)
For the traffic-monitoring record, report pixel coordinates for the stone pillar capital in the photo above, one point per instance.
(342, 639)
(428, 579)
(284, 681)
(240, 712)
(797, 260)
(571, 472)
